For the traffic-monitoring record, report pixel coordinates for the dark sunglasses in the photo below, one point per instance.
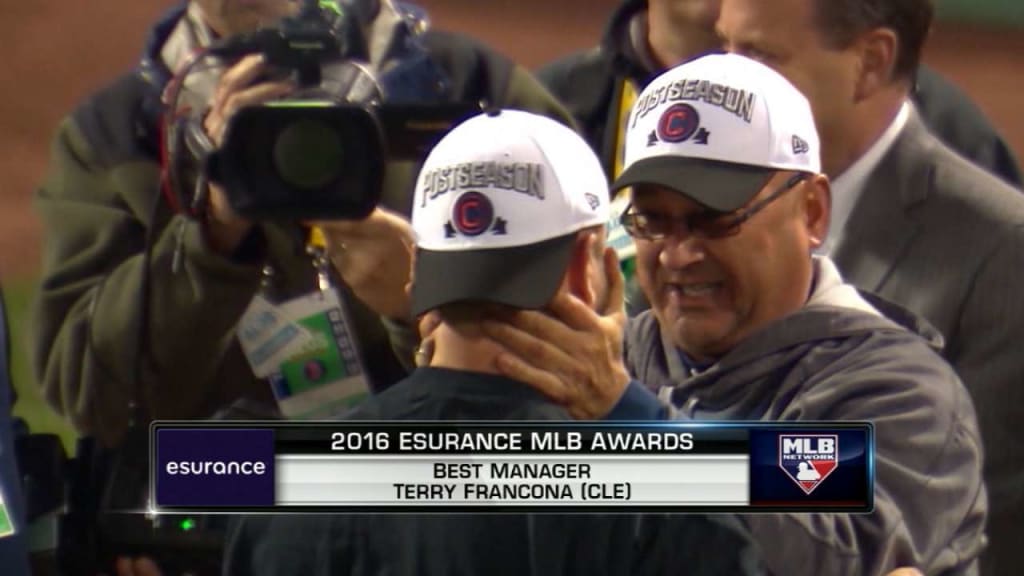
(703, 224)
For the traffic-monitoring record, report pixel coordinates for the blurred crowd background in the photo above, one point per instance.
(58, 51)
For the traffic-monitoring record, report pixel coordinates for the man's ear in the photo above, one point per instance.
(816, 194)
(877, 50)
(578, 276)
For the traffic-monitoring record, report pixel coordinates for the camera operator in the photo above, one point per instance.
(106, 223)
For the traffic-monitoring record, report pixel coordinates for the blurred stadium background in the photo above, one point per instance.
(59, 51)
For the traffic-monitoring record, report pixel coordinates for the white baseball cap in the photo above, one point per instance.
(716, 128)
(497, 207)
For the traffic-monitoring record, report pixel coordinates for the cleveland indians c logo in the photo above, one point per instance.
(473, 214)
(678, 123)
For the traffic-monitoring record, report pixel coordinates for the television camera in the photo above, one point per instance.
(320, 154)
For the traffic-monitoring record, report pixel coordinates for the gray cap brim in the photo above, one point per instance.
(719, 186)
(524, 277)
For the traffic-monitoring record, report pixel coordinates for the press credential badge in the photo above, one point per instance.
(325, 377)
(268, 337)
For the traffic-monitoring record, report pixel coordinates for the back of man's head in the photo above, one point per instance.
(509, 209)
(841, 22)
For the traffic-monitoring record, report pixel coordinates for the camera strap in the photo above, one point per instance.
(305, 347)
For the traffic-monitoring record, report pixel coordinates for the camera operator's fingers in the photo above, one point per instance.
(257, 94)
(240, 75)
(381, 220)
(236, 78)
(220, 113)
(374, 258)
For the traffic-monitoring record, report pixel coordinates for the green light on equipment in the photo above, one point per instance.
(187, 524)
(331, 5)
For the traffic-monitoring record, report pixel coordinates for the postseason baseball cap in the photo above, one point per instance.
(497, 207)
(716, 128)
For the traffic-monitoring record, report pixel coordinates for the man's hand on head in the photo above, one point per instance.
(573, 355)
(374, 258)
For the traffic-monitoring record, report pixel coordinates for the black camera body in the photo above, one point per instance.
(314, 155)
(321, 154)
(301, 162)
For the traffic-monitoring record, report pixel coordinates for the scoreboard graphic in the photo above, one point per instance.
(393, 466)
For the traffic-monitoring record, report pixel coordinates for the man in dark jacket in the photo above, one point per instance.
(727, 207)
(139, 299)
(481, 244)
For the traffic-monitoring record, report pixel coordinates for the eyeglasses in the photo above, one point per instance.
(703, 224)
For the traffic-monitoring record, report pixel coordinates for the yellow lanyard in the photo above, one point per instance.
(316, 238)
(617, 236)
(626, 102)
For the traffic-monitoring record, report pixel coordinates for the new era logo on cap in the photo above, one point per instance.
(800, 146)
(717, 126)
(495, 202)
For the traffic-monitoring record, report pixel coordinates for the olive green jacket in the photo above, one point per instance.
(101, 200)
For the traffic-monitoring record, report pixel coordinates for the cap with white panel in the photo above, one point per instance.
(498, 203)
(716, 128)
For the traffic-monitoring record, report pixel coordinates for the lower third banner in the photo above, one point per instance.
(516, 467)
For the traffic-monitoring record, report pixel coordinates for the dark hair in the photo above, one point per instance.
(842, 21)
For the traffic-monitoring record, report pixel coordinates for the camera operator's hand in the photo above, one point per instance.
(374, 258)
(238, 88)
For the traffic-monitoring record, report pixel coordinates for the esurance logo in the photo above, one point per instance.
(808, 458)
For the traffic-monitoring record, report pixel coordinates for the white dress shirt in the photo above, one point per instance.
(847, 188)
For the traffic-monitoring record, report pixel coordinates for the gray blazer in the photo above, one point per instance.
(946, 240)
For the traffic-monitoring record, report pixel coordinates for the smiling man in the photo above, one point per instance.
(746, 323)
(727, 210)
(728, 203)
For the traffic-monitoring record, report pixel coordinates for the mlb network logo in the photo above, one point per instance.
(808, 458)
